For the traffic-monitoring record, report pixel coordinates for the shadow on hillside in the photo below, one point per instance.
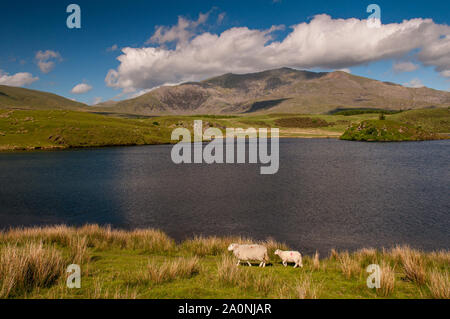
(264, 105)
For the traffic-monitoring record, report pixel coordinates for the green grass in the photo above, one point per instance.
(148, 264)
(386, 131)
(414, 125)
(25, 129)
(60, 129)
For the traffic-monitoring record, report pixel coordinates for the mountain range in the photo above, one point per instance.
(282, 90)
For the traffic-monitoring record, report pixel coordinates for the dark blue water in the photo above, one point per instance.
(327, 193)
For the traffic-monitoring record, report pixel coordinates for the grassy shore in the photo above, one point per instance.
(60, 129)
(148, 264)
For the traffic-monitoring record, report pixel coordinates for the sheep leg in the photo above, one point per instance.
(249, 264)
(284, 263)
(261, 264)
(238, 262)
(264, 265)
(295, 266)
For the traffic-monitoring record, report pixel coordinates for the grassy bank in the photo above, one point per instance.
(41, 129)
(414, 125)
(148, 264)
(44, 129)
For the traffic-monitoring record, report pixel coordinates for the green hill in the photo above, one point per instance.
(16, 97)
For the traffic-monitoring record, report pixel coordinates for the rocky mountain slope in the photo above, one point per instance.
(280, 90)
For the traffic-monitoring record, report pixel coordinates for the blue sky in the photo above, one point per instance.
(81, 56)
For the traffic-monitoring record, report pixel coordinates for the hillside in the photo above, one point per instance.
(281, 90)
(16, 97)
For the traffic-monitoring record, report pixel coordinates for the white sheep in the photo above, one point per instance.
(250, 252)
(291, 257)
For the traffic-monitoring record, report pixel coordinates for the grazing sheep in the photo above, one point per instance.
(250, 252)
(290, 257)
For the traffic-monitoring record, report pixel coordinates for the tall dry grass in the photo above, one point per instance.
(23, 269)
(316, 261)
(334, 254)
(387, 280)
(304, 288)
(439, 284)
(159, 273)
(149, 240)
(366, 256)
(78, 250)
(413, 263)
(245, 278)
(349, 265)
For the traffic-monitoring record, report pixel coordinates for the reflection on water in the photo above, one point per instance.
(327, 193)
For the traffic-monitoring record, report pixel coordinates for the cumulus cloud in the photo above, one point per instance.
(180, 33)
(81, 88)
(414, 83)
(346, 70)
(46, 60)
(322, 43)
(405, 67)
(18, 79)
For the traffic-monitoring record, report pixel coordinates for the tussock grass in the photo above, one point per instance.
(149, 240)
(366, 256)
(78, 250)
(387, 280)
(413, 263)
(245, 278)
(349, 266)
(316, 261)
(213, 246)
(334, 254)
(155, 273)
(304, 288)
(439, 284)
(23, 269)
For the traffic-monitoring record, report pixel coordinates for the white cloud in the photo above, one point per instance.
(180, 33)
(414, 83)
(81, 88)
(112, 48)
(46, 60)
(346, 70)
(405, 67)
(18, 79)
(322, 43)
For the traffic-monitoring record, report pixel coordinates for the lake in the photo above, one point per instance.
(327, 193)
